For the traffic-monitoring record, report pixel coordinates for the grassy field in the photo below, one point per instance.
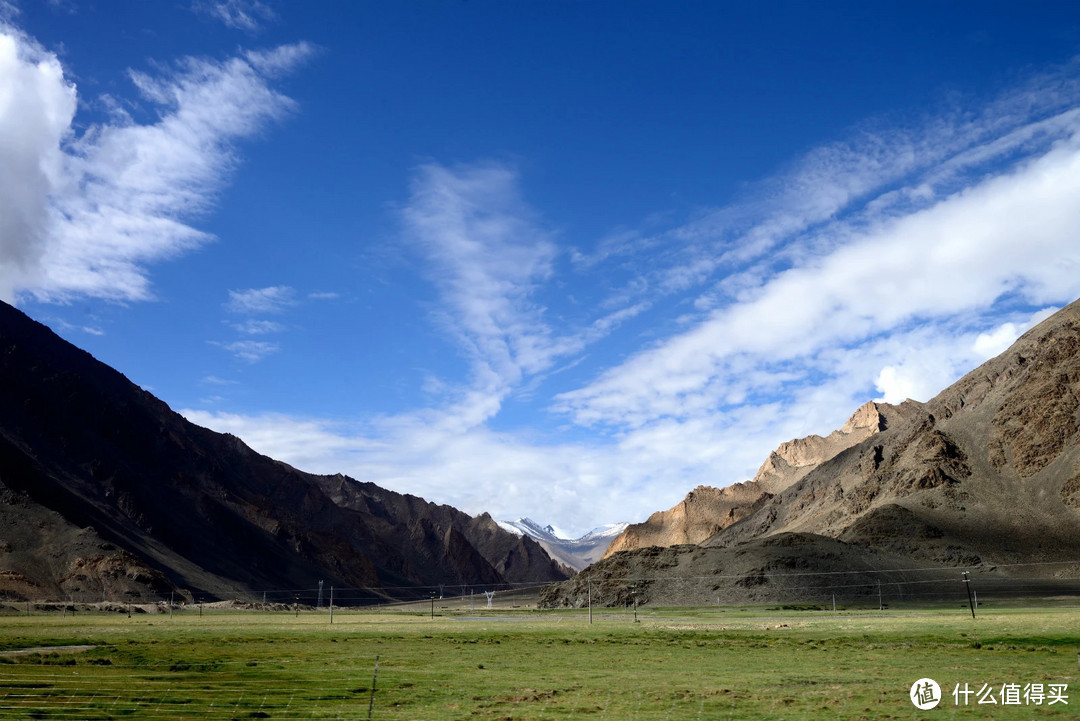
(755, 663)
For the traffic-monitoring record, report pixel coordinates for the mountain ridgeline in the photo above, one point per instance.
(985, 476)
(106, 493)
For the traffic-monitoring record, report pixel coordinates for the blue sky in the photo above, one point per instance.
(559, 259)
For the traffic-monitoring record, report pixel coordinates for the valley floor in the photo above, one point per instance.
(706, 663)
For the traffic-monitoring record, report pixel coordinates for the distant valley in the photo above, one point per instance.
(576, 553)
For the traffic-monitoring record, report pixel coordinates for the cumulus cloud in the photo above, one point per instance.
(37, 105)
(87, 214)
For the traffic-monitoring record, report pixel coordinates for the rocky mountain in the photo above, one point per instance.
(985, 476)
(794, 459)
(706, 510)
(576, 553)
(107, 493)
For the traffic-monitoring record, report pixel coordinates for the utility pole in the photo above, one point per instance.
(967, 585)
(318, 601)
(880, 605)
(331, 604)
(588, 580)
(374, 680)
(432, 605)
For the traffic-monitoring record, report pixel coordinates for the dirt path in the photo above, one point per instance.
(46, 649)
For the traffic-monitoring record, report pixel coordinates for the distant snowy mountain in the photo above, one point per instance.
(577, 553)
(529, 527)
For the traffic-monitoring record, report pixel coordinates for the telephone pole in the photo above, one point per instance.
(588, 579)
(967, 585)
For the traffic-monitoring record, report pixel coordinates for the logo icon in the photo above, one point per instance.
(925, 693)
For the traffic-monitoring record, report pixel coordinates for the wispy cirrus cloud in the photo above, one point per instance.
(250, 303)
(251, 351)
(879, 171)
(87, 214)
(249, 15)
(257, 301)
(486, 256)
(258, 327)
(945, 264)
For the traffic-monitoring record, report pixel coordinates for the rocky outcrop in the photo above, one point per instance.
(704, 512)
(105, 491)
(792, 460)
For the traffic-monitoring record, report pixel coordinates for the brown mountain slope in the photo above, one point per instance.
(991, 463)
(794, 459)
(104, 491)
(985, 475)
(706, 510)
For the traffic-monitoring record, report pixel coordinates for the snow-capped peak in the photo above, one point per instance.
(529, 527)
(610, 530)
(510, 528)
(574, 552)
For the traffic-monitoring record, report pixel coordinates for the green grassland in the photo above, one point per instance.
(754, 663)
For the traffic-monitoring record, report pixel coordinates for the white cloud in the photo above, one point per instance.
(258, 327)
(899, 383)
(247, 15)
(37, 106)
(886, 266)
(891, 304)
(274, 299)
(955, 257)
(486, 255)
(251, 351)
(87, 214)
(996, 341)
(475, 469)
(812, 206)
